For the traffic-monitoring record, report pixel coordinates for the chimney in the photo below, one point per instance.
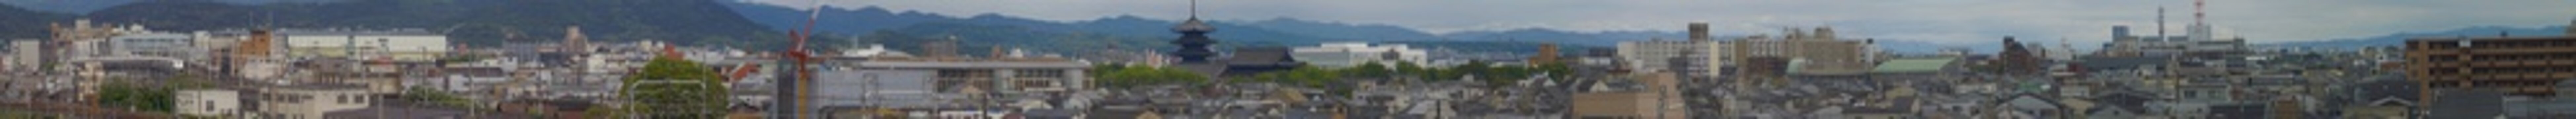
(1699, 31)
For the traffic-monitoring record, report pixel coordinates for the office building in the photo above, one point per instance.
(2519, 65)
(311, 100)
(1658, 98)
(1809, 52)
(396, 45)
(26, 55)
(172, 45)
(209, 103)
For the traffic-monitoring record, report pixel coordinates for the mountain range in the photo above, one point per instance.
(2400, 38)
(747, 24)
(469, 22)
(862, 20)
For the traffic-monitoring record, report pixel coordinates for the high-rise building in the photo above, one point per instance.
(1699, 32)
(1546, 54)
(2017, 59)
(2519, 65)
(26, 54)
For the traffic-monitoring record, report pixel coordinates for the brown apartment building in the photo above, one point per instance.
(2519, 65)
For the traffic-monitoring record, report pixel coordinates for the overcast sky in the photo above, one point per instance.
(1943, 21)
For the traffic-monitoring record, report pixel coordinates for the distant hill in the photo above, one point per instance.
(879, 25)
(25, 24)
(86, 6)
(2400, 38)
(472, 22)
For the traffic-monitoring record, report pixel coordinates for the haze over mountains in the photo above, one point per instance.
(730, 22)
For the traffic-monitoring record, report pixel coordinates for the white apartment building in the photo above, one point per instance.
(398, 45)
(1810, 53)
(26, 54)
(172, 45)
(1349, 54)
(209, 102)
(311, 100)
(1658, 55)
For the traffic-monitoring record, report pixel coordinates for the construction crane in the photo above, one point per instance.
(803, 95)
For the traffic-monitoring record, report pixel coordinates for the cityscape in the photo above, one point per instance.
(1287, 59)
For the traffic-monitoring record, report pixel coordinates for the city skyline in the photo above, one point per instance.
(1945, 22)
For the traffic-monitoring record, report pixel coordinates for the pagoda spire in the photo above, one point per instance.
(1194, 41)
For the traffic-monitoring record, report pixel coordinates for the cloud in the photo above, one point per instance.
(1952, 22)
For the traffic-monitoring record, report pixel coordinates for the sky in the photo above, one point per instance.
(1954, 22)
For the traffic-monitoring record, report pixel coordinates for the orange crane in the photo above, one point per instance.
(803, 95)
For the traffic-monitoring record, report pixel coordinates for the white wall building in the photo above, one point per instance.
(398, 45)
(1816, 53)
(311, 100)
(26, 54)
(1658, 55)
(172, 45)
(1348, 54)
(209, 102)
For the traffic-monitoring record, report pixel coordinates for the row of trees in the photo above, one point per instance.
(1121, 76)
(137, 97)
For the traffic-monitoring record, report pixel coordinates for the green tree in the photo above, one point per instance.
(1371, 70)
(1410, 69)
(671, 87)
(1141, 76)
(1505, 74)
(1473, 68)
(130, 96)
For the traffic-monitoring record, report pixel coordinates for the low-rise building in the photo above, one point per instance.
(311, 100)
(1348, 54)
(173, 45)
(398, 45)
(209, 103)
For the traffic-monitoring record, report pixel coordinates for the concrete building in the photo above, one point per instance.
(398, 45)
(173, 45)
(26, 55)
(209, 103)
(1659, 56)
(958, 76)
(1659, 98)
(1348, 54)
(311, 100)
(1819, 52)
(2518, 65)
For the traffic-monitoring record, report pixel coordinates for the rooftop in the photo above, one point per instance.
(1914, 65)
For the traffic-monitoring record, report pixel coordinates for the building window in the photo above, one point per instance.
(1034, 84)
(1040, 73)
